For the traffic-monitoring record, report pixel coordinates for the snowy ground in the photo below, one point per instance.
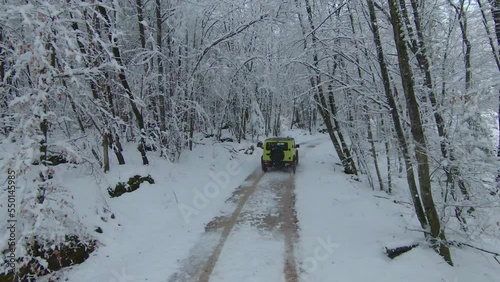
(333, 208)
(215, 211)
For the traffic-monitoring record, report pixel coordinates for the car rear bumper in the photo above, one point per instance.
(278, 164)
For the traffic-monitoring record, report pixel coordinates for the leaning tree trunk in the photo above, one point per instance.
(343, 143)
(495, 10)
(319, 98)
(491, 40)
(410, 177)
(418, 47)
(417, 132)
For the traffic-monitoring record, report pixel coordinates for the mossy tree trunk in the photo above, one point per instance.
(417, 131)
(418, 47)
(403, 143)
(495, 8)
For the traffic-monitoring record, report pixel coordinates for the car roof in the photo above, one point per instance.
(280, 139)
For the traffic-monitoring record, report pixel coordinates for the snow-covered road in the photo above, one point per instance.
(318, 225)
(255, 241)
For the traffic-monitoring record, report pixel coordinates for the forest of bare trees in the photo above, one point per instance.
(408, 85)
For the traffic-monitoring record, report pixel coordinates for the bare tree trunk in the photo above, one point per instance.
(245, 121)
(146, 92)
(277, 122)
(495, 50)
(268, 116)
(117, 148)
(462, 20)
(105, 151)
(2, 57)
(495, 11)
(374, 153)
(418, 135)
(4, 99)
(343, 143)
(44, 125)
(140, 20)
(123, 80)
(44, 130)
(321, 104)
(321, 100)
(113, 142)
(161, 88)
(387, 154)
(454, 172)
(418, 47)
(191, 130)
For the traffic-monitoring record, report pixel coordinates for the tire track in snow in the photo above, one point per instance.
(200, 266)
(289, 229)
(212, 260)
(284, 189)
(268, 213)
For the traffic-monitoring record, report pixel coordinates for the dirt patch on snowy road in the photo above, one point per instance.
(212, 260)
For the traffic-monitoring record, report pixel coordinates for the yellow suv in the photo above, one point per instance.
(279, 152)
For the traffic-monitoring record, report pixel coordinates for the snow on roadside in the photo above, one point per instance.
(159, 223)
(344, 229)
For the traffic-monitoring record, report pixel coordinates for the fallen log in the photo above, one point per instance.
(397, 251)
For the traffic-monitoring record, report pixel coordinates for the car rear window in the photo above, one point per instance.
(272, 145)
